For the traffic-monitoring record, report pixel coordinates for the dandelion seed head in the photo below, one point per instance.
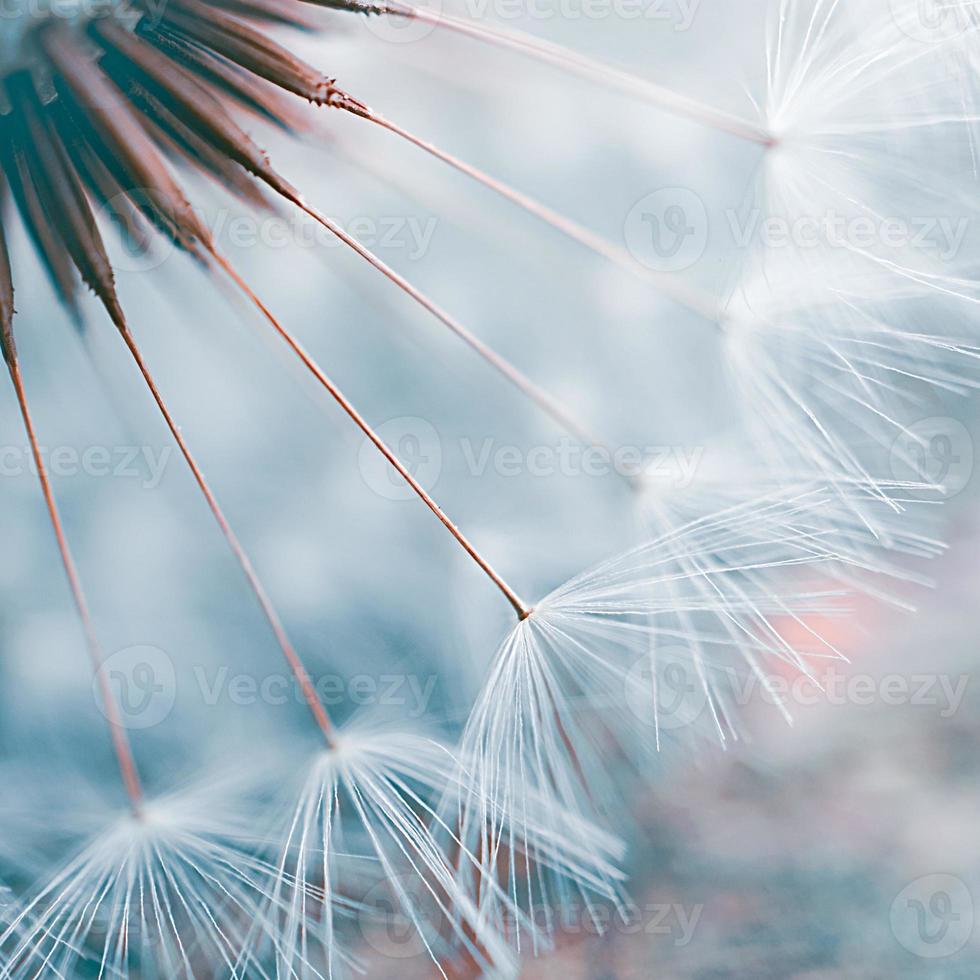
(160, 893)
(858, 93)
(101, 105)
(575, 685)
(832, 370)
(464, 843)
(371, 801)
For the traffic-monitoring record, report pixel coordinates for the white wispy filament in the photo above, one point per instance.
(562, 694)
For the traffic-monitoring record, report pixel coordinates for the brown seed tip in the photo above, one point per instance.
(6, 303)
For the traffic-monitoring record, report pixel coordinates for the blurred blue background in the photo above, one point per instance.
(787, 852)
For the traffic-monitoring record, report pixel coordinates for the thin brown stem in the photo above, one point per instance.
(657, 95)
(117, 729)
(543, 399)
(671, 286)
(518, 605)
(509, 371)
(296, 665)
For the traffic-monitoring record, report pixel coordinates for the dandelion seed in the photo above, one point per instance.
(564, 691)
(833, 371)
(169, 892)
(857, 93)
(861, 524)
(372, 794)
(835, 341)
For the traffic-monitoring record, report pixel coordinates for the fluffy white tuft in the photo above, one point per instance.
(365, 817)
(172, 893)
(576, 683)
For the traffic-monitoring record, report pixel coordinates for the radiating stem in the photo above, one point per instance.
(514, 375)
(671, 286)
(518, 605)
(296, 665)
(554, 54)
(117, 730)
